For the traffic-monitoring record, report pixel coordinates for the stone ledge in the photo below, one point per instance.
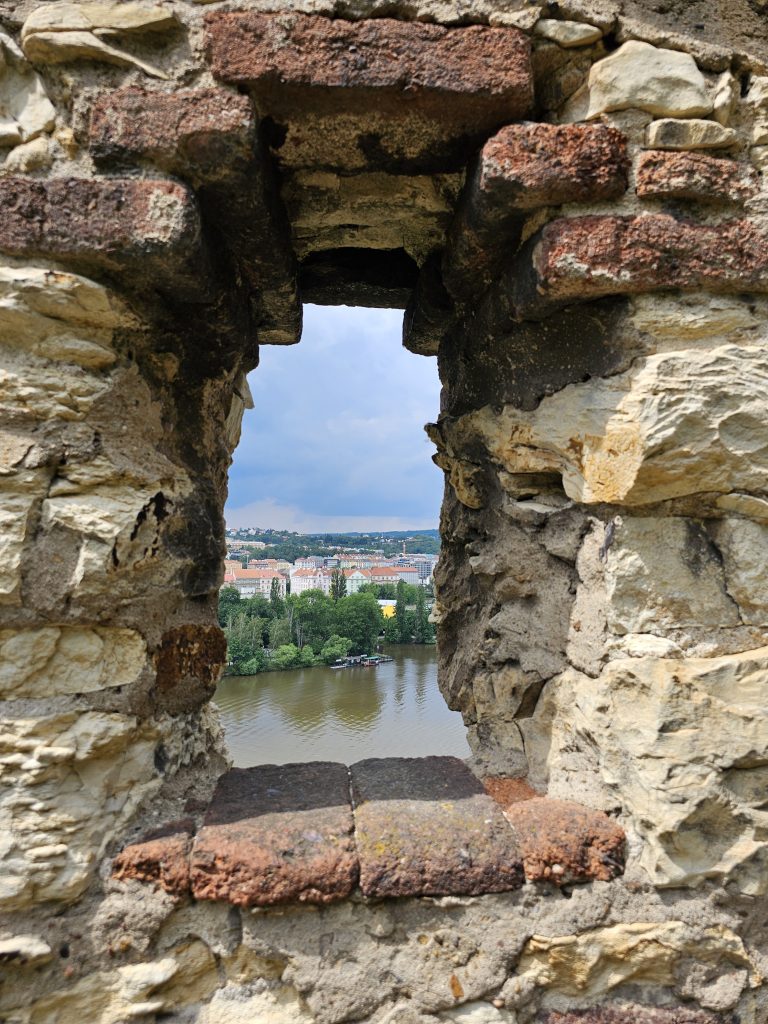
(274, 835)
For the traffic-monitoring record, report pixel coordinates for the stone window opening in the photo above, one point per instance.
(568, 201)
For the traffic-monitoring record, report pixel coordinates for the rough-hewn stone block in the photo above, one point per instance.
(160, 857)
(425, 826)
(277, 834)
(100, 223)
(630, 1013)
(358, 81)
(521, 168)
(204, 131)
(565, 842)
(588, 257)
(694, 176)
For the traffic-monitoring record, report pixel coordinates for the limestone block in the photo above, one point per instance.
(694, 176)
(567, 33)
(73, 31)
(726, 96)
(670, 133)
(677, 423)
(35, 155)
(53, 661)
(25, 950)
(683, 747)
(25, 110)
(757, 96)
(663, 82)
(744, 548)
(664, 574)
(680, 318)
(70, 782)
(594, 962)
(19, 494)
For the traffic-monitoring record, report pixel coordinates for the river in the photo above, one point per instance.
(394, 710)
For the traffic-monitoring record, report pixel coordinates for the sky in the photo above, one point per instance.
(336, 441)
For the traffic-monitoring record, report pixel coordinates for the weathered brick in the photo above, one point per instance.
(203, 132)
(160, 857)
(407, 63)
(98, 223)
(521, 168)
(587, 257)
(277, 834)
(695, 176)
(564, 842)
(632, 1013)
(425, 826)
(209, 137)
(354, 81)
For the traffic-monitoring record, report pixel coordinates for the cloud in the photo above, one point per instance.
(337, 428)
(271, 515)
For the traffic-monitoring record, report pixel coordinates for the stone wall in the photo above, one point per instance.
(568, 200)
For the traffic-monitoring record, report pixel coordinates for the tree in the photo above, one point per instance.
(335, 648)
(401, 614)
(311, 614)
(229, 600)
(423, 631)
(286, 656)
(279, 632)
(243, 640)
(307, 657)
(338, 584)
(391, 630)
(359, 617)
(274, 597)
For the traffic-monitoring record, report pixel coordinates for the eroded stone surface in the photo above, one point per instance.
(564, 842)
(275, 835)
(160, 857)
(694, 176)
(521, 168)
(426, 826)
(470, 80)
(671, 133)
(588, 257)
(630, 1013)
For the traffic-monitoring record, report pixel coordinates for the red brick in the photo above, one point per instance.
(521, 168)
(695, 176)
(588, 257)
(425, 826)
(207, 132)
(97, 222)
(564, 842)
(161, 857)
(277, 834)
(450, 86)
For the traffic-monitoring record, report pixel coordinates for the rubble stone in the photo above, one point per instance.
(663, 82)
(567, 33)
(160, 857)
(694, 176)
(671, 133)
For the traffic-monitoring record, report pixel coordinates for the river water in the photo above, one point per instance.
(394, 710)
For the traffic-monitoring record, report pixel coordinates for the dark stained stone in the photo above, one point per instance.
(425, 826)
(277, 834)
(631, 1013)
(565, 842)
(379, 93)
(160, 857)
(189, 660)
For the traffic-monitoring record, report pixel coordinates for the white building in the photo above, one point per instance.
(249, 582)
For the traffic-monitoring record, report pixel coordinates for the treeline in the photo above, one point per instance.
(292, 546)
(314, 629)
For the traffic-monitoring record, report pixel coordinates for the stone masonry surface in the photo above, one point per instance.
(570, 201)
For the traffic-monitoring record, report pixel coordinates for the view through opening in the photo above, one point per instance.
(332, 536)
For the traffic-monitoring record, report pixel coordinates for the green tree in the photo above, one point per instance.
(335, 648)
(229, 601)
(254, 665)
(274, 597)
(307, 656)
(401, 616)
(423, 631)
(243, 640)
(391, 630)
(359, 618)
(286, 656)
(311, 614)
(338, 584)
(279, 632)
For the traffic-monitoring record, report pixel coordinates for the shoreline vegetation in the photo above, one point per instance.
(312, 628)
